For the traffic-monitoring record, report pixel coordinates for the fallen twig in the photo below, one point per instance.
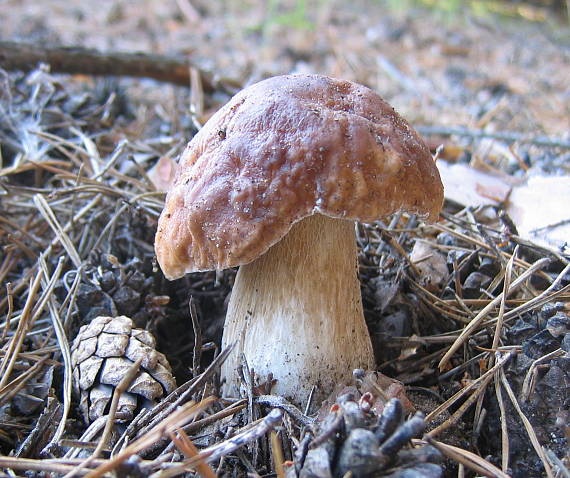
(75, 60)
(277, 453)
(179, 396)
(509, 136)
(185, 445)
(252, 432)
(282, 403)
(176, 420)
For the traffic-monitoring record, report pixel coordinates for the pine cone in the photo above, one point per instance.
(102, 353)
(352, 440)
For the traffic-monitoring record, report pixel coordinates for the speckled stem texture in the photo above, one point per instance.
(297, 312)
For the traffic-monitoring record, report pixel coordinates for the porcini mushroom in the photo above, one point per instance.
(273, 183)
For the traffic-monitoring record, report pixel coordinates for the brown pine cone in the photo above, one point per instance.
(102, 353)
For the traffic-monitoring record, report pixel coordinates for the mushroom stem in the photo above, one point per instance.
(296, 312)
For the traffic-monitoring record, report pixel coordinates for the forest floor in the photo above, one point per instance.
(470, 314)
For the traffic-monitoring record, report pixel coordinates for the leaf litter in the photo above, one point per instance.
(470, 316)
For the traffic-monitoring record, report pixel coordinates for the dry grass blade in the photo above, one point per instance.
(60, 466)
(176, 420)
(501, 362)
(120, 212)
(505, 449)
(185, 445)
(189, 11)
(122, 387)
(173, 401)
(199, 424)
(196, 97)
(27, 319)
(529, 379)
(7, 323)
(87, 436)
(506, 289)
(110, 163)
(527, 425)
(443, 308)
(23, 325)
(197, 352)
(11, 389)
(478, 319)
(51, 219)
(548, 295)
(468, 459)
(71, 298)
(558, 464)
(91, 150)
(74, 220)
(481, 388)
(65, 352)
(277, 454)
(510, 136)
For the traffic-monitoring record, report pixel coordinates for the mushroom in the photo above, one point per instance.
(274, 183)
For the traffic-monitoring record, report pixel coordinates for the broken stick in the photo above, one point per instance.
(75, 60)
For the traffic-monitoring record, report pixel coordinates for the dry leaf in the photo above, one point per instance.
(467, 186)
(540, 210)
(431, 264)
(162, 173)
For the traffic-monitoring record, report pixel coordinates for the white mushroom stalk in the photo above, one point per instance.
(296, 312)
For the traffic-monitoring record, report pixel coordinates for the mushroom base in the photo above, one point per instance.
(296, 312)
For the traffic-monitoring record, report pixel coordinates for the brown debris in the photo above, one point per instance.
(27, 57)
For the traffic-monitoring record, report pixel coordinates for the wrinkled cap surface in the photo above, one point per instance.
(283, 149)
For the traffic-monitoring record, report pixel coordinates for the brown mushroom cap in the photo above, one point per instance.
(283, 149)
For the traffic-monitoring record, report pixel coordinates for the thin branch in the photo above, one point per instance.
(277, 454)
(176, 420)
(509, 136)
(276, 401)
(75, 60)
(215, 452)
(186, 446)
